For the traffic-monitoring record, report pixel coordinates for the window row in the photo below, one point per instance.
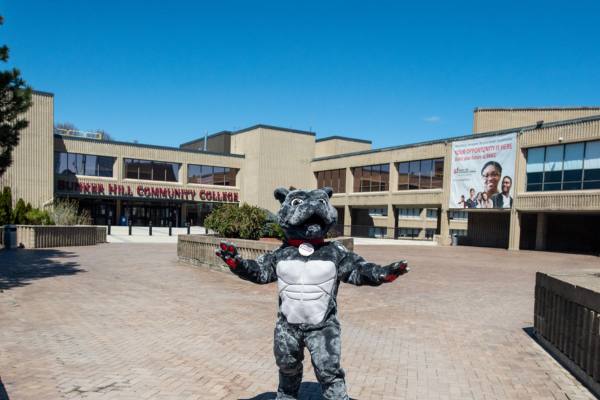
(421, 174)
(92, 165)
(83, 164)
(151, 170)
(211, 175)
(334, 178)
(372, 178)
(409, 212)
(458, 215)
(432, 213)
(573, 166)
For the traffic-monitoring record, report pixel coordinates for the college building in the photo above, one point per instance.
(406, 191)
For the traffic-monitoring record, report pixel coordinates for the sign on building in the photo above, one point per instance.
(483, 170)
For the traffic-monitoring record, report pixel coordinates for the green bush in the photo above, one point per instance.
(244, 222)
(38, 217)
(18, 214)
(6, 216)
(273, 230)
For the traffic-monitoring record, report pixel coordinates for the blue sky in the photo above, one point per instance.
(393, 72)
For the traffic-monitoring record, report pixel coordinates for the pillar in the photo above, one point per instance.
(347, 221)
(391, 222)
(540, 232)
(444, 227)
(514, 230)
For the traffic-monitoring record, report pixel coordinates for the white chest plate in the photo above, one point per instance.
(305, 289)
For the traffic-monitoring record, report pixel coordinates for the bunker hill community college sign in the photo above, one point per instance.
(148, 192)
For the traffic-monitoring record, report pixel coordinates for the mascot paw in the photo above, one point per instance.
(394, 270)
(228, 253)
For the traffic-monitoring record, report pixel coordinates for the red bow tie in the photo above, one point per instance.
(298, 242)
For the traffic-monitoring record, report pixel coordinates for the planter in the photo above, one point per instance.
(567, 322)
(200, 249)
(43, 236)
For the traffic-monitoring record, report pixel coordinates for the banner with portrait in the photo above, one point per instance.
(482, 171)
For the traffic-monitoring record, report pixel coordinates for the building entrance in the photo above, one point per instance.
(159, 213)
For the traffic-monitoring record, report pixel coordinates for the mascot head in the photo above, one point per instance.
(305, 214)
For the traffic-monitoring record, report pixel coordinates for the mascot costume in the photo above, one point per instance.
(308, 272)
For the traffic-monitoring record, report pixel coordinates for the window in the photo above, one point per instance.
(458, 215)
(432, 213)
(409, 213)
(408, 232)
(151, 170)
(211, 175)
(573, 166)
(377, 232)
(372, 178)
(378, 212)
(429, 232)
(421, 174)
(458, 232)
(83, 164)
(334, 178)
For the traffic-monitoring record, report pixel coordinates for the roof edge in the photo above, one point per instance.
(567, 108)
(349, 139)
(208, 136)
(277, 128)
(466, 137)
(150, 146)
(41, 93)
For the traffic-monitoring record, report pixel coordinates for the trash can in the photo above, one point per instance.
(454, 239)
(10, 236)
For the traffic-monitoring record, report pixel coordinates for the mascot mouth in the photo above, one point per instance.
(315, 224)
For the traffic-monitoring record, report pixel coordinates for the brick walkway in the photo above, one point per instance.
(121, 321)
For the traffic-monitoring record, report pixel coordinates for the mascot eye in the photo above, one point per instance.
(323, 201)
(295, 202)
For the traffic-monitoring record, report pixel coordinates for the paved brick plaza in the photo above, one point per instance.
(121, 321)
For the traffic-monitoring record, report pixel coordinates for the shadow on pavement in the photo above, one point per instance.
(19, 267)
(3, 394)
(308, 391)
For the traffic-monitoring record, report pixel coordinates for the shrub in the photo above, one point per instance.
(66, 212)
(18, 214)
(38, 217)
(244, 222)
(273, 230)
(6, 206)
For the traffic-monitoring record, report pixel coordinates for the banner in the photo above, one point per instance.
(482, 172)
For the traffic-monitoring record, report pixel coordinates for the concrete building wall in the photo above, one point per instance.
(494, 119)
(273, 158)
(30, 176)
(338, 145)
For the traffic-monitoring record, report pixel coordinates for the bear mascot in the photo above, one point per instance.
(308, 271)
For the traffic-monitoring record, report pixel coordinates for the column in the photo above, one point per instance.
(514, 233)
(444, 227)
(540, 232)
(347, 220)
(118, 211)
(391, 222)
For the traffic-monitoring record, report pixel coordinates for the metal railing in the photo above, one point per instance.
(77, 133)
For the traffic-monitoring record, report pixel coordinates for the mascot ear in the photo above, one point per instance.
(280, 194)
(328, 190)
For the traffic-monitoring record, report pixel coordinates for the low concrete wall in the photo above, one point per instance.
(42, 236)
(200, 249)
(567, 322)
